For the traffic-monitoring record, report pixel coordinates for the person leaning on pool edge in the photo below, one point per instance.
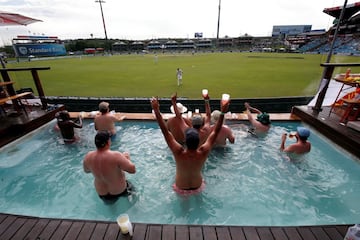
(106, 120)
(190, 158)
(108, 168)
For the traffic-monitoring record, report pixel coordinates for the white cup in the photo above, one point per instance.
(189, 113)
(124, 223)
(197, 110)
(205, 92)
(225, 97)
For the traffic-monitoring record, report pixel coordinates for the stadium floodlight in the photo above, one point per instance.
(102, 15)
(218, 25)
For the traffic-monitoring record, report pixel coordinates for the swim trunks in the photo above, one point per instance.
(113, 197)
(189, 191)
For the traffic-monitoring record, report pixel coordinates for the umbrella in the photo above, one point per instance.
(9, 19)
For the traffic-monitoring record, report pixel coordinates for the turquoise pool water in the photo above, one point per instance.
(248, 183)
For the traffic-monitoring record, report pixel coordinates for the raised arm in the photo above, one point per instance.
(173, 102)
(213, 135)
(169, 138)
(207, 109)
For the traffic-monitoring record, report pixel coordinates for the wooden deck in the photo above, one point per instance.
(22, 227)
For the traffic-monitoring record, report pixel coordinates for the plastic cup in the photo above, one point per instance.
(124, 223)
(225, 97)
(189, 113)
(197, 110)
(205, 92)
(292, 134)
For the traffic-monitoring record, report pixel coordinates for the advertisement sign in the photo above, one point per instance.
(39, 50)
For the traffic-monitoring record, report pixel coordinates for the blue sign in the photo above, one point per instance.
(40, 50)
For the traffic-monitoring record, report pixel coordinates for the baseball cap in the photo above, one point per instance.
(303, 132)
(192, 138)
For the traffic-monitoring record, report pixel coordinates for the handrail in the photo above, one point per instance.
(23, 69)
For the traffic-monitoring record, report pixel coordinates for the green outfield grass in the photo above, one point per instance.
(242, 75)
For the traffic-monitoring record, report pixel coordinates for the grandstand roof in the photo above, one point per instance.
(350, 10)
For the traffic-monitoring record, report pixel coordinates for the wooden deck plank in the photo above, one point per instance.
(237, 233)
(265, 233)
(223, 233)
(25, 229)
(181, 232)
(12, 229)
(49, 230)
(306, 233)
(154, 232)
(139, 231)
(87, 230)
(333, 233)
(278, 233)
(112, 231)
(195, 233)
(209, 233)
(37, 229)
(61, 230)
(99, 231)
(250, 233)
(168, 232)
(6, 223)
(74, 230)
(319, 233)
(292, 233)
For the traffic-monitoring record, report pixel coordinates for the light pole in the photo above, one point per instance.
(103, 19)
(218, 26)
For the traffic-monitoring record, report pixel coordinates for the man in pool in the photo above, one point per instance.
(261, 124)
(225, 132)
(108, 168)
(177, 124)
(189, 158)
(301, 146)
(106, 120)
(66, 126)
(202, 125)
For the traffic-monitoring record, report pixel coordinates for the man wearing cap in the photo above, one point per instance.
(225, 132)
(189, 158)
(177, 124)
(301, 146)
(106, 121)
(108, 168)
(261, 124)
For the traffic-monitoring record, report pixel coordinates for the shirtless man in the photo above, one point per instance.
(108, 168)
(260, 125)
(66, 126)
(177, 125)
(190, 158)
(225, 132)
(106, 121)
(301, 146)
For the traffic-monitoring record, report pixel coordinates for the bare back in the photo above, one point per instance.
(177, 127)
(108, 169)
(105, 122)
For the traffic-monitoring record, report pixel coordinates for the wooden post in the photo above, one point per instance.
(39, 88)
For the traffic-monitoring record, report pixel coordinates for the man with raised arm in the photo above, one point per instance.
(177, 124)
(190, 158)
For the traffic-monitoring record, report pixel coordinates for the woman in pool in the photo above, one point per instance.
(190, 158)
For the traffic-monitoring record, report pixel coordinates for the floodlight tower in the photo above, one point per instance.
(218, 26)
(102, 15)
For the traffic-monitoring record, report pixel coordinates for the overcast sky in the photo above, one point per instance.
(149, 19)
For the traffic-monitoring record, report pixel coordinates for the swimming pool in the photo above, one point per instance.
(248, 183)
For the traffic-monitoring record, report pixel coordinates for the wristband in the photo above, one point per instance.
(222, 113)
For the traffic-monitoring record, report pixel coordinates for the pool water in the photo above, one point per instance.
(248, 183)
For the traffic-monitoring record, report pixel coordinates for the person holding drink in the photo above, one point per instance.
(302, 144)
(190, 158)
(202, 125)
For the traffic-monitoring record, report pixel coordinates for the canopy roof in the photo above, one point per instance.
(350, 10)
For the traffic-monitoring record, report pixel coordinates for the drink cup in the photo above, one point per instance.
(197, 110)
(189, 114)
(205, 92)
(125, 224)
(225, 98)
(292, 134)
